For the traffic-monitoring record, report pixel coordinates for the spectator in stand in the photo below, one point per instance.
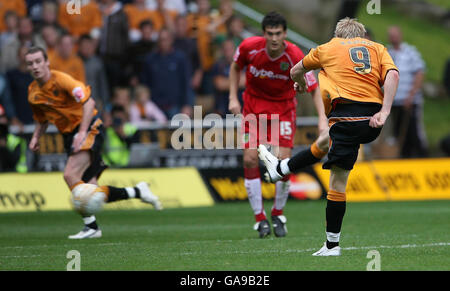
(175, 5)
(50, 35)
(202, 26)
(48, 16)
(221, 74)
(189, 46)
(114, 42)
(221, 19)
(445, 145)
(138, 12)
(6, 98)
(122, 97)
(118, 138)
(140, 49)
(34, 9)
(143, 109)
(13, 149)
(25, 37)
(166, 73)
(199, 27)
(11, 28)
(66, 60)
(407, 109)
(163, 17)
(94, 71)
(446, 77)
(235, 28)
(18, 6)
(89, 21)
(19, 79)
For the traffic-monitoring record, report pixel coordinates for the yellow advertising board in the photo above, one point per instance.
(180, 187)
(416, 179)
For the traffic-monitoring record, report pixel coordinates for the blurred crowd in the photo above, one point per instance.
(150, 58)
(145, 60)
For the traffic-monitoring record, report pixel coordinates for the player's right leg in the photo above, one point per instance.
(86, 166)
(350, 128)
(279, 220)
(335, 211)
(76, 165)
(79, 170)
(277, 169)
(252, 182)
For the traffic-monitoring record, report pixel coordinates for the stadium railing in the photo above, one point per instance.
(155, 148)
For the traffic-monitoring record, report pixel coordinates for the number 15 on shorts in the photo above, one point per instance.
(285, 128)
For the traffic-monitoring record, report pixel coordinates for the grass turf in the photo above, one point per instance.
(408, 236)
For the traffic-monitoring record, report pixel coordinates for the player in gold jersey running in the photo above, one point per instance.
(56, 97)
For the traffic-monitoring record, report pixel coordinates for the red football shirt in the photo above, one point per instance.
(269, 78)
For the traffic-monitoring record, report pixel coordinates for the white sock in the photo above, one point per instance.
(89, 219)
(281, 194)
(284, 167)
(254, 194)
(333, 237)
(131, 192)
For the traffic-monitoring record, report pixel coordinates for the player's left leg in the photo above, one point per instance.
(86, 166)
(82, 168)
(278, 168)
(252, 183)
(281, 196)
(76, 165)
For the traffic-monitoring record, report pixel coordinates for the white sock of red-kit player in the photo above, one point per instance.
(252, 182)
(281, 195)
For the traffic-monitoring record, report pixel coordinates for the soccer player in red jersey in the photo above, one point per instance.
(269, 97)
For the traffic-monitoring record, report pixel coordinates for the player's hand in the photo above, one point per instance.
(378, 119)
(78, 140)
(299, 88)
(234, 106)
(34, 144)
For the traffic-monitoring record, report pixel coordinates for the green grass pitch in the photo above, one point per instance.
(407, 235)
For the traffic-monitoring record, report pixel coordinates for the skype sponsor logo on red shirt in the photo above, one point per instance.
(266, 74)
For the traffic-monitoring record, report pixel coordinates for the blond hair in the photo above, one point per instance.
(349, 28)
(141, 89)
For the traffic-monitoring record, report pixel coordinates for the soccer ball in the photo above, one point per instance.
(88, 199)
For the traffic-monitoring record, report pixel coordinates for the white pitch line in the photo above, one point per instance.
(345, 249)
(399, 246)
(31, 256)
(65, 245)
(404, 246)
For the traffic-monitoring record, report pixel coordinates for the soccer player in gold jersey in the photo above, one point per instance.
(55, 97)
(353, 72)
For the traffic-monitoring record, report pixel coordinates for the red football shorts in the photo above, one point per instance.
(268, 122)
